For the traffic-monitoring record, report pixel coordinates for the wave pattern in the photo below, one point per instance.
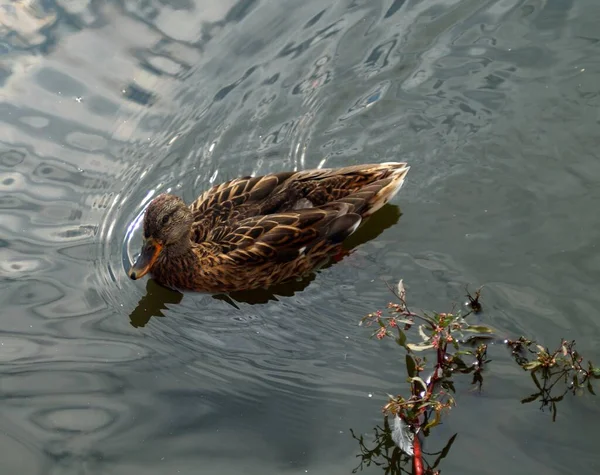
(107, 104)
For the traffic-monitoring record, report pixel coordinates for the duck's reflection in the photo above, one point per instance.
(153, 303)
(157, 297)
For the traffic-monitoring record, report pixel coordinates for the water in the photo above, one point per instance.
(105, 104)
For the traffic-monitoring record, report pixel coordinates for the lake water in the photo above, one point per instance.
(495, 105)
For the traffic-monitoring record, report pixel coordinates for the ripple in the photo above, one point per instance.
(36, 122)
(15, 265)
(32, 383)
(75, 419)
(493, 104)
(88, 142)
(25, 351)
(367, 100)
(11, 158)
(15, 348)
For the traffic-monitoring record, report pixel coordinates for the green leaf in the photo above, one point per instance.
(422, 347)
(420, 381)
(532, 365)
(590, 387)
(401, 340)
(448, 385)
(478, 329)
(436, 420)
(460, 364)
(411, 366)
(596, 372)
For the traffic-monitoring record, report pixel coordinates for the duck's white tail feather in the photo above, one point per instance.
(396, 180)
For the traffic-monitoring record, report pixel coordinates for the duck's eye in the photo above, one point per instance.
(166, 219)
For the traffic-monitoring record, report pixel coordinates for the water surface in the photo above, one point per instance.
(106, 104)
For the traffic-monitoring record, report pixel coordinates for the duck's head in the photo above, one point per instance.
(167, 224)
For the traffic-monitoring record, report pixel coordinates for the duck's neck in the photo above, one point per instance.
(175, 264)
(179, 249)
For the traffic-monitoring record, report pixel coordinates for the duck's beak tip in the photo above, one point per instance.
(150, 251)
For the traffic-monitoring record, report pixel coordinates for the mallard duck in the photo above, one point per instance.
(255, 232)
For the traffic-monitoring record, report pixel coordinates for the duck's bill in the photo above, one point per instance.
(150, 251)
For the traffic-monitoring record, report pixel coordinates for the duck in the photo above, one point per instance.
(254, 232)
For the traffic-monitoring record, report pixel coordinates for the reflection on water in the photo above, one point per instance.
(106, 104)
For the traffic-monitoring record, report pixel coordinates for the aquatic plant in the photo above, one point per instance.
(458, 348)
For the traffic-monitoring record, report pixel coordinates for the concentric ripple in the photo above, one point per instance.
(107, 104)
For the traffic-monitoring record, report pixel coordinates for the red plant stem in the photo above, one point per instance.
(417, 454)
(441, 352)
(417, 457)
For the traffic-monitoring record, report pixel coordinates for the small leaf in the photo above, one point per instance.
(401, 340)
(477, 339)
(436, 420)
(531, 398)
(420, 381)
(459, 362)
(536, 381)
(532, 365)
(411, 366)
(424, 335)
(478, 329)
(402, 436)
(422, 347)
(589, 386)
(401, 290)
(596, 372)
(406, 321)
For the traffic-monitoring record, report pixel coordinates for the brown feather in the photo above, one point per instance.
(254, 232)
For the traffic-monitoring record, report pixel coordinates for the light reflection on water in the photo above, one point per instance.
(494, 104)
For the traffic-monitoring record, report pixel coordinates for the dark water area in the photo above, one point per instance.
(494, 104)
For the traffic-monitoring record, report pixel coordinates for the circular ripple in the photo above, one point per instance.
(11, 158)
(75, 419)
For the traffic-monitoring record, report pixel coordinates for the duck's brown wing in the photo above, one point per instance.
(282, 237)
(282, 193)
(233, 200)
(238, 192)
(320, 186)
